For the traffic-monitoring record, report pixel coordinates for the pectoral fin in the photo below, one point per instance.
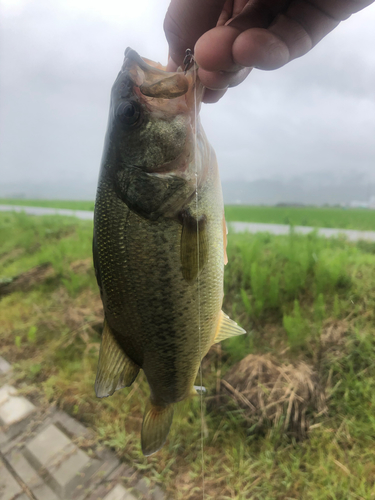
(115, 369)
(157, 421)
(227, 328)
(194, 245)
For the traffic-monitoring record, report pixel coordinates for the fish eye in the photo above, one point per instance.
(128, 112)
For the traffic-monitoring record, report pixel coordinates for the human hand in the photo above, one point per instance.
(230, 37)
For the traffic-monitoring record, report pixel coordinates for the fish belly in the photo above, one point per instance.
(162, 322)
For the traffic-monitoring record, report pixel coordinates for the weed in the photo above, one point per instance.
(271, 273)
(34, 370)
(31, 334)
(336, 306)
(73, 205)
(284, 290)
(295, 327)
(306, 216)
(319, 309)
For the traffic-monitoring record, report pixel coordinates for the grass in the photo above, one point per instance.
(290, 292)
(297, 216)
(73, 205)
(353, 218)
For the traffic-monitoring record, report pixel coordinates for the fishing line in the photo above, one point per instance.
(198, 280)
(188, 61)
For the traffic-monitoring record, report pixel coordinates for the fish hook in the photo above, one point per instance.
(188, 60)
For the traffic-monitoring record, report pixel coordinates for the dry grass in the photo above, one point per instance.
(270, 392)
(334, 333)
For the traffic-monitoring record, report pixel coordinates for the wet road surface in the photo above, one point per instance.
(235, 227)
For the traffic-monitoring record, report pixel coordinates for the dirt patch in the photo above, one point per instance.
(334, 333)
(82, 266)
(11, 256)
(84, 313)
(27, 280)
(268, 391)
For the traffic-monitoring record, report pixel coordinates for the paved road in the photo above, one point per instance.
(81, 214)
(47, 455)
(255, 227)
(236, 227)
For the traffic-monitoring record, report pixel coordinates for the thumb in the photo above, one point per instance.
(186, 21)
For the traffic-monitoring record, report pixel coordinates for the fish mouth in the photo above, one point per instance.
(152, 79)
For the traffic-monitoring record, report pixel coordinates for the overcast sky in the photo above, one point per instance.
(58, 60)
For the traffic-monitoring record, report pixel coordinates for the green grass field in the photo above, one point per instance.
(362, 219)
(302, 298)
(73, 205)
(354, 218)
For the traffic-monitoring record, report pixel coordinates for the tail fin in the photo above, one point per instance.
(157, 422)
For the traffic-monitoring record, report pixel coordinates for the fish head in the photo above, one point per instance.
(153, 115)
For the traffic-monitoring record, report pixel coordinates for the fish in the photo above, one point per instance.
(159, 243)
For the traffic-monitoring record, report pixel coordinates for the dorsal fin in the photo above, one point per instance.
(227, 328)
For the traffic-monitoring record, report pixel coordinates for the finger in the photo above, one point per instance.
(219, 80)
(238, 77)
(258, 14)
(260, 48)
(213, 51)
(213, 80)
(186, 21)
(243, 42)
(171, 65)
(341, 9)
(230, 10)
(212, 96)
(290, 36)
(304, 24)
(226, 13)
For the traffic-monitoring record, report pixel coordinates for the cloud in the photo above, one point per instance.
(317, 114)
(59, 60)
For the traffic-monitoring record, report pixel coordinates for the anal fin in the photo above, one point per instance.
(157, 422)
(115, 369)
(194, 245)
(227, 328)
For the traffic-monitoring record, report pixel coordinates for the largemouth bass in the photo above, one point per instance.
(159, 241)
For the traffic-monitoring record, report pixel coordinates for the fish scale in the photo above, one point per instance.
(148, 229)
